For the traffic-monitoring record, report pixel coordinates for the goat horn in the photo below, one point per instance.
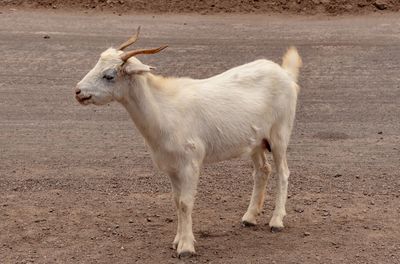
(131, 40)
(125, 56)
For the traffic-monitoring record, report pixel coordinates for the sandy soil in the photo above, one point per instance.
(77, 184)
(331, 7)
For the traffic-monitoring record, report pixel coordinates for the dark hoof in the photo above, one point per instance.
(186, 254)
(247, 224)
(275, 229)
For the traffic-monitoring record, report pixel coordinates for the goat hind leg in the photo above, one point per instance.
(261, 172)
(279, 153)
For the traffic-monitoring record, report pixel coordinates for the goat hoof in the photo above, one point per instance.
(247, 224)
(275, 229)
(186, 254)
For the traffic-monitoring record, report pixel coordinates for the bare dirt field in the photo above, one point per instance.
(77, 184)
(330, 7)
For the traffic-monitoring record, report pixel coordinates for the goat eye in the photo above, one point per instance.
(108, 77)
(109, 74)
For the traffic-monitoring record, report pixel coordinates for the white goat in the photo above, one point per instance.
(188, 122)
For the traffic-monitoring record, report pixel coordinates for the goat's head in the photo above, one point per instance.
(107, 80)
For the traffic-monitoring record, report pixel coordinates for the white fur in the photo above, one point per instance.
(188, 122)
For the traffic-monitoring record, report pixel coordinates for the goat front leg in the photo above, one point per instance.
(176, 193)
(184, 184)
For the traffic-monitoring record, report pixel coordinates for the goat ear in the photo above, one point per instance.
(137, 68)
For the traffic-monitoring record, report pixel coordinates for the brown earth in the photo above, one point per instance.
(332, 7)
(77, 184)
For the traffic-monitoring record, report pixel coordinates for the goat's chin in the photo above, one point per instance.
(99, 102)
(84, 100)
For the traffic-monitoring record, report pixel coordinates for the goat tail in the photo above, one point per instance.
(291, 62)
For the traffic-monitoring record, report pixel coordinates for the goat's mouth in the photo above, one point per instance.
(83, 100)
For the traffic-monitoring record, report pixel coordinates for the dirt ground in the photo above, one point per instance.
(77, 184)
(331, 7)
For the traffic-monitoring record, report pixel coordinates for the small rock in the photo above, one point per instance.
(348, 7)
(116, 226)
(148, 219)
(306, 234)
(46, 36)
(299, 210)
(380, 4)
(337, 175)
(380, 132)
(130, 221)
(325, 213)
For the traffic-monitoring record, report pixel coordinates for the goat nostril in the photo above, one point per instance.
(77, 91)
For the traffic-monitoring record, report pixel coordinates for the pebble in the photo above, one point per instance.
(380, 4)
(306, 234)
(46, 36)
(299, 210)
